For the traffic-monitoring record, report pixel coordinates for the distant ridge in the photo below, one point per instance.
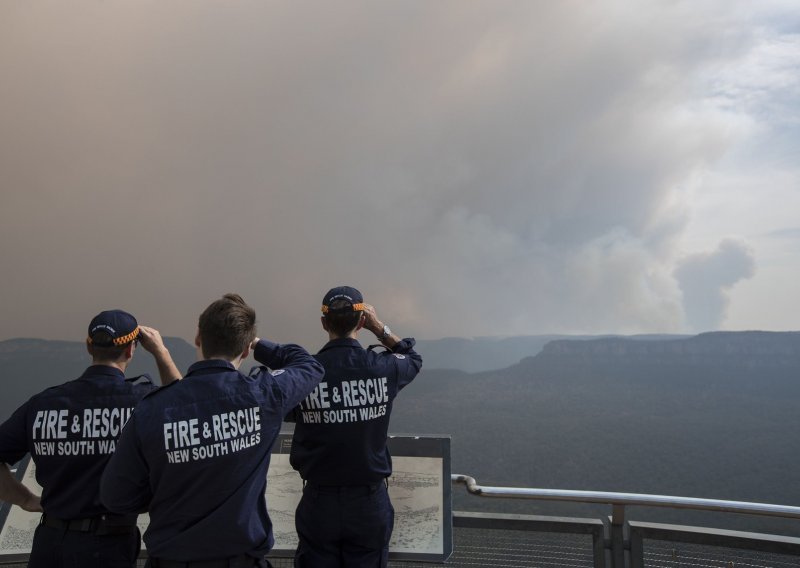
(724, 348)
(478, 354)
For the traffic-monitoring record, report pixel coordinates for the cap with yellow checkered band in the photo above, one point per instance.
(113, 328)
(342, 299)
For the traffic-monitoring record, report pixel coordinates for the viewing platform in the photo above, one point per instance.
(615, 541)
(619, 540)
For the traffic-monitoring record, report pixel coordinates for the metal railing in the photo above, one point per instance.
(625, 552)
(489, 539)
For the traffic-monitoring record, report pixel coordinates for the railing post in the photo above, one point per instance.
(599, 548)
(637, 547)
(618, 536)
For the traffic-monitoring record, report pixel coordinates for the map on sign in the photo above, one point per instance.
(419, 489)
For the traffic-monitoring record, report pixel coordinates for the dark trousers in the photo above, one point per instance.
(344, 527)
(62, 548)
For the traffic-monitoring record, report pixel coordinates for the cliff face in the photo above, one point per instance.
(708, 416)
(478, 354)
(724, 349)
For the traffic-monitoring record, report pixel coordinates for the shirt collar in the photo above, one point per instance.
(343, 342)
(103, 371)
(210, 365)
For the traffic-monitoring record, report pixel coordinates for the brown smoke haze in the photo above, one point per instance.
(475, 168)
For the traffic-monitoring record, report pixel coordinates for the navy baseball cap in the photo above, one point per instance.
(350, 298)
(113, 327)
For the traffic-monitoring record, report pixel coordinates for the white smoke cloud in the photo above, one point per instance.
(480, 168)
(706, 278)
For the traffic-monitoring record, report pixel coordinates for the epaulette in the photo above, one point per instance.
(159, 389)
(143, 379)
(373, 347)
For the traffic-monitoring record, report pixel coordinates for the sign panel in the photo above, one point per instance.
(17, 526)
(419, 488)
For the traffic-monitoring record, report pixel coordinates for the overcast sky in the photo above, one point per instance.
(474, 167)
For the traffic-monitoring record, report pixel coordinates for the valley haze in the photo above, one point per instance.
(712, 415)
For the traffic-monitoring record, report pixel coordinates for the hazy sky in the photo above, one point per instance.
(474, 167)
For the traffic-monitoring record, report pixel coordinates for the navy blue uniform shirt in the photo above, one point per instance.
(195, 455)
(341, 429)
(71, 431)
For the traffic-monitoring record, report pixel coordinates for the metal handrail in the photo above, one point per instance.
(624, 499)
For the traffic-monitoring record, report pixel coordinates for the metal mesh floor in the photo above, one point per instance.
(513, 548)
(659, 554)
(517, 549)
(505, 548)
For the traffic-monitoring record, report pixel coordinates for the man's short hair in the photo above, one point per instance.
(342, 321)
(227, 327)
(110, 353)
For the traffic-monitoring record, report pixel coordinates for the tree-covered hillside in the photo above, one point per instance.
(711, 416)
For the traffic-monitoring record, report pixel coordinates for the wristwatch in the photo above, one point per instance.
(386, 332)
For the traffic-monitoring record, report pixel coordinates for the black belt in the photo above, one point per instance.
(99, 525)
(360, 485)
(363, 487)
(241, 561)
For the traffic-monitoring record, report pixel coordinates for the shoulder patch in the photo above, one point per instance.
(399, 356)
(256, 369)
(277, 372)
